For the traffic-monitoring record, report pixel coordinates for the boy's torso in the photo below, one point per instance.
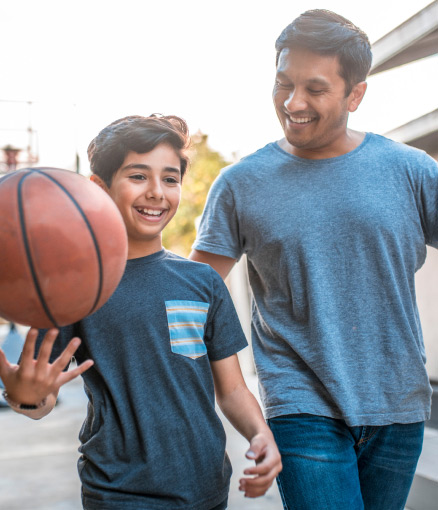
(152, 436)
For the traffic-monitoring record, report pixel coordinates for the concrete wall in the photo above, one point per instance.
(427, 298)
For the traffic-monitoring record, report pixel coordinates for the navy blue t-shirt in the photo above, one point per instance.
(152, 438)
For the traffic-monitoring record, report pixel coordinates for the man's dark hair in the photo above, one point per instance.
(327, 33)
(108, 150)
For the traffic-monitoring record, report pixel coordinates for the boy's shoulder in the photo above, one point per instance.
(195, 269)
(166, 265)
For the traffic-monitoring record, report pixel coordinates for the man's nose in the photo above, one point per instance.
(295, 101)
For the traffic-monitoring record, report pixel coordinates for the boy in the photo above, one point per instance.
(161, 346)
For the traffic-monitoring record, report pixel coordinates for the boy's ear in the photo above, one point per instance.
(100, 182)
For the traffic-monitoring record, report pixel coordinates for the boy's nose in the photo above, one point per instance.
(155, 190)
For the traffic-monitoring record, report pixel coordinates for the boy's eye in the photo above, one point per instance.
(171, 180)
(137, 177)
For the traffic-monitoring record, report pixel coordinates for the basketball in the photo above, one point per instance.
(63, 247)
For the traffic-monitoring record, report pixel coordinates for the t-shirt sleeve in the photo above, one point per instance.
(223, 333)
(218, 230)
(429, 200)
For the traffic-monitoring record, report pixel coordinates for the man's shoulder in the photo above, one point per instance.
(394, 148)
(251, 160)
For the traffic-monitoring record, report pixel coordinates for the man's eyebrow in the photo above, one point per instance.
(280, 74)
(142, 166)
(312, 81)
(320, 82)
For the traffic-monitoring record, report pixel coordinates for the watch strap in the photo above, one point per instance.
(23, 407)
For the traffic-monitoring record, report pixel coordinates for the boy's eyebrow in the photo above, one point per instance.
(141, 166)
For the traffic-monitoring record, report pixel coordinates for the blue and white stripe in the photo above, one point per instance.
(186, 320)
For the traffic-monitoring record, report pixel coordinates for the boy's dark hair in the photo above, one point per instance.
(108, 150)
(327, 33)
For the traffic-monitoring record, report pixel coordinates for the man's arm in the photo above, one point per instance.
(32, 387)
(243, 411)
(219, 263)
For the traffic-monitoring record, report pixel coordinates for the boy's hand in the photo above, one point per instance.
(33, 380)
(264, 451)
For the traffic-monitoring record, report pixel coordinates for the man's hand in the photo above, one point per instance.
(35, 379)
(264, 451)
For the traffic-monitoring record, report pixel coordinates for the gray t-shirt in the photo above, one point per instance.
(152, 438)
(332, 248)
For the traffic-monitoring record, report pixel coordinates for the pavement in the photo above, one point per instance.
(38, 458)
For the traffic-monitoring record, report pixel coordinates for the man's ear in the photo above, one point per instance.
(100, 182)
(356, 96)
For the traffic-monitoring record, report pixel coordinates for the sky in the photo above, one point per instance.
(72, 67)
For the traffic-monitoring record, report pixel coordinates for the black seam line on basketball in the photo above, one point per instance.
(96, 244)
(4, 178)
(28, 254)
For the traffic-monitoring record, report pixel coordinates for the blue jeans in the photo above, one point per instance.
(328, 465)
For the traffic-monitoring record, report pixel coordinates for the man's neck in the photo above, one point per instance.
(348, 143)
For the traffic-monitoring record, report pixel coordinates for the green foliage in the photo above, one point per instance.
(206, 164)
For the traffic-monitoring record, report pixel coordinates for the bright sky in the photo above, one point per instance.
(86, 63)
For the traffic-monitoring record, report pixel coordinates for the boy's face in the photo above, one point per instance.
(147, 190)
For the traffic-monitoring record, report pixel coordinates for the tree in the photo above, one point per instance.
(205, 165)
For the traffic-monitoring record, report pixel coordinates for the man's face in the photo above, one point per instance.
(309, 97)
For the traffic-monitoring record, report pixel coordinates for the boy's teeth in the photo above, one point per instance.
(151, 212)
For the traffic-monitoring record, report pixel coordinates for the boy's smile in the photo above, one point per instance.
(147, 191)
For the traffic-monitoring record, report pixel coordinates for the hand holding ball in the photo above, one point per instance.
(63, 247)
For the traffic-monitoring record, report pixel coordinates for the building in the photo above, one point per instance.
(417, 38)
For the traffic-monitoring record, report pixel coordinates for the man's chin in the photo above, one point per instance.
(298, 143)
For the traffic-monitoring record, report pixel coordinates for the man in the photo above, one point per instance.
(334, 224)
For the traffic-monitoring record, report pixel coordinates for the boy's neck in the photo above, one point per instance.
(142, 249)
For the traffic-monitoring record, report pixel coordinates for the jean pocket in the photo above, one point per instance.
(186, 321)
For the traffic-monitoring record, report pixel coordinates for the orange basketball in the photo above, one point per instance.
(63, 247)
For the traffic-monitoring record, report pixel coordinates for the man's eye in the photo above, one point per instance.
(284, 85)
(316, 91)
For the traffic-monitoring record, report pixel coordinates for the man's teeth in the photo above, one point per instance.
(151, 212)
(302, 120)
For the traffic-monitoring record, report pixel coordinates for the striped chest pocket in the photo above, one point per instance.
(186, 320)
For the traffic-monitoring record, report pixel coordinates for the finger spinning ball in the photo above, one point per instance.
(63, 247)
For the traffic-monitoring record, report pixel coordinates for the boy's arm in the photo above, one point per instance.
(221, 264)
(32, 387)
(243, 411)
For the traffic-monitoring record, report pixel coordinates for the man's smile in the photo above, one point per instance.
(299, 119)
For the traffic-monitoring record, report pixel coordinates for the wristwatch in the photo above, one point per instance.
(23, 407)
